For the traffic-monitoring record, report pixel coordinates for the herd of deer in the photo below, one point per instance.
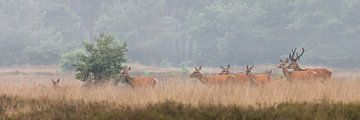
(225, 76)
(297, 73)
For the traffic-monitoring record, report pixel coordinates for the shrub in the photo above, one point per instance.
(102, 59)
(69, 59)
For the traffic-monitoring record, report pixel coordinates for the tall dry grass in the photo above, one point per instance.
(344, 88)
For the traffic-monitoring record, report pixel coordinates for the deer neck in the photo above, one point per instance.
(286, 72)
(202, 78)
(129, 79)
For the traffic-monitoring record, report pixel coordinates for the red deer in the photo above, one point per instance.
(259, 78)
(212, 79)
(296, 75)
(240, 77)
(321, 73)
(137, 81)
(55, 83)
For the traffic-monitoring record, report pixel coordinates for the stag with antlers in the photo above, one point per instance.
(295, 75)
(321, 73)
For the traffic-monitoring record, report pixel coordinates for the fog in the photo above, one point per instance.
(184, 32)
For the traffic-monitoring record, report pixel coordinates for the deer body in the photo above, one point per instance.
(141, 81)
(262, 78)
(137, 81)
(248, 76)
(239, 77)
(212, 79)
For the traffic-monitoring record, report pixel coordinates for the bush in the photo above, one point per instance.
(69, 59)
(102, 60)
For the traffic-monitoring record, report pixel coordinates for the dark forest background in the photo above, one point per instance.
(184, 32)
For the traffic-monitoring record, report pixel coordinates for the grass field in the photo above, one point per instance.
(27, 92)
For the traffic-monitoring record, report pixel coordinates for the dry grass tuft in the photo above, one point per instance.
(344, 88)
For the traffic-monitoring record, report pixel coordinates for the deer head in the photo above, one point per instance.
(125, 72)
(55, 83)
(269, 72)
(248, 69)
(225, 70)
(196, 73)
(283, 63)
(294, 60)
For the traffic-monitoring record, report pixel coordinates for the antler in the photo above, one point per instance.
(293, 52)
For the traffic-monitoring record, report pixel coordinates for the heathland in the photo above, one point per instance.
(27, 93)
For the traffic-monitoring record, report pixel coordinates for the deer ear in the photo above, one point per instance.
(58, 80)
(129, 68)
(252, 67)
(199, 67)
(228, 66)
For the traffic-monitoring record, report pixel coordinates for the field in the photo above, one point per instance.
(26, 93)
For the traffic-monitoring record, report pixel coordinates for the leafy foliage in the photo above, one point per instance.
(102, 60)
(69, 59)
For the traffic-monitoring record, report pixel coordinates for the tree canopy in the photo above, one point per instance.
(102, 60)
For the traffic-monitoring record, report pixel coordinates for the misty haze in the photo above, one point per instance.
(184, 32)
(179, 59)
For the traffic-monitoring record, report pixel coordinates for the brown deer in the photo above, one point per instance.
(255, 78)
(212, 79)
(137, 81)
(239, 77)
(321, 73)
(296, 75)
(55, 83)
(260, 78)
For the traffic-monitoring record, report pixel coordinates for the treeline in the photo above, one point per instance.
(184, 32)
(18, 108)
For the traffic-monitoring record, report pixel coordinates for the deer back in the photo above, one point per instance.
(321, 73)
(219, 79)
(262, 78)
(143, 81)
(303, 75)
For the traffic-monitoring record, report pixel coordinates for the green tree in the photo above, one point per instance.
(69, 59)
(101, 60)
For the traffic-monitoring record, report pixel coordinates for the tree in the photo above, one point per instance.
(101, 60)
(69, 59)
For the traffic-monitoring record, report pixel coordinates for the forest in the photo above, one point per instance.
(184, 32)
